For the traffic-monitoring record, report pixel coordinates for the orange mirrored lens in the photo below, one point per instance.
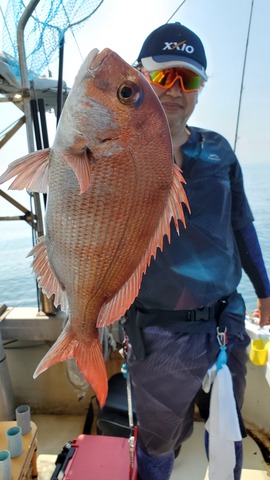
(189, 80)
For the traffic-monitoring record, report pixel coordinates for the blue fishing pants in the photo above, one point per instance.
(167, 384)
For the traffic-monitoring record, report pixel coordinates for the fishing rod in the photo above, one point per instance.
(243, 77)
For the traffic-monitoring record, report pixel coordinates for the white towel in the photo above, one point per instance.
(222, 424)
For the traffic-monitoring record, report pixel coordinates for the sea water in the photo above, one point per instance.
(17, 282)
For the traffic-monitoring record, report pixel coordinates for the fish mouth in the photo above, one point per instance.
(99, 58)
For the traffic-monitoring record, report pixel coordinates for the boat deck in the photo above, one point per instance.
(55, 430)
(53, 393)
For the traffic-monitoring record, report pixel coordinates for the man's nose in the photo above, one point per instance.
(176, 88)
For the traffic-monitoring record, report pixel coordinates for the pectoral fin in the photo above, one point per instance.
(81, 166)
(31, 172)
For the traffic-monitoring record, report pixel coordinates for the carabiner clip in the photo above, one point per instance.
(222, 337)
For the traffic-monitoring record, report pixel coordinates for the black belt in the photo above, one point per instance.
(185, 321)
(170, 318)
(167, 318)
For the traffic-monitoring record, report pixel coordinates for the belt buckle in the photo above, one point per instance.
(202, 313)
(191, 315)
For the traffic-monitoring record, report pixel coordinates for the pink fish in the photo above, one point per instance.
(112, 192)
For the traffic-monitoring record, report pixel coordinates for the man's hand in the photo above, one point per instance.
(263, 311)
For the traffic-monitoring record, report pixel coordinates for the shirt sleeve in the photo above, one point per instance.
(252, 259)
(241, 212)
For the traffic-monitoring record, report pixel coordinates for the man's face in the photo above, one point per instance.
(178, 105)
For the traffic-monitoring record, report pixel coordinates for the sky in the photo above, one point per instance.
(222, 25)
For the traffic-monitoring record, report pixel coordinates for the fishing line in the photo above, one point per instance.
(71, 29)
(5, 23)
(135, 64)
(178, 8)
(76, 42)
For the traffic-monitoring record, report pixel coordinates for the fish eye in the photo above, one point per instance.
(129, 93)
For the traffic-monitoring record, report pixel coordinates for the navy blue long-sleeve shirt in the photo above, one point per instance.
(204, 263)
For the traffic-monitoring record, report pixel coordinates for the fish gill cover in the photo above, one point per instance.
(43, 32)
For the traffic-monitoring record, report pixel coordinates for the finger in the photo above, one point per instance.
(256, 313)
(264, 322)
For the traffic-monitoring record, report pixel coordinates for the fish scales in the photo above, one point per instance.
(113, 191)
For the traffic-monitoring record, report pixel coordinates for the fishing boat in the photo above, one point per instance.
(63, 407)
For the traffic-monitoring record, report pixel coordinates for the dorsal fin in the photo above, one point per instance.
(119, 304)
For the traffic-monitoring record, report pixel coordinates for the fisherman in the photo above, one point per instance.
(188, 300)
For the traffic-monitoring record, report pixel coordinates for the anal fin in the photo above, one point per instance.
(44, 274)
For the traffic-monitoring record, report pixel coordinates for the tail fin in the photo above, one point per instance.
(88, 357)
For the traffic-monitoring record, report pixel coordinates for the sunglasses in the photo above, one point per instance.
(189, 80)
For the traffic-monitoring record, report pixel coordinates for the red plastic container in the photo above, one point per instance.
(100, 458)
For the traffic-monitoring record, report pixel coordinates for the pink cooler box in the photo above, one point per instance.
(100, 458)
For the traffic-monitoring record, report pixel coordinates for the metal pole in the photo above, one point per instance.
(47, 304)
(41, 107)
(27, 107)
(24, 74)
(26, 100)
(60, 81)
